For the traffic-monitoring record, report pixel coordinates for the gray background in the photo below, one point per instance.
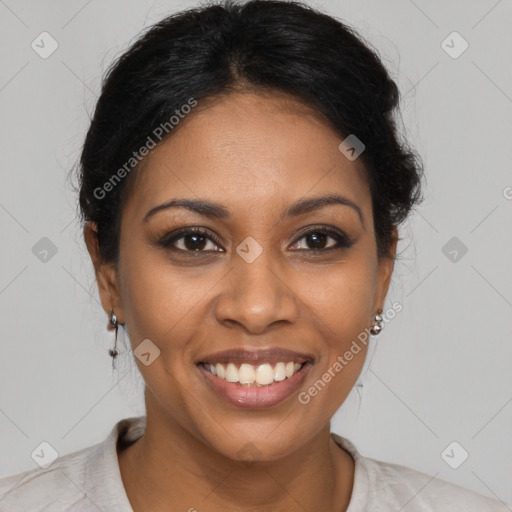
(440, 371)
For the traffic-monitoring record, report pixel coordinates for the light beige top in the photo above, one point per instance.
(89, 480)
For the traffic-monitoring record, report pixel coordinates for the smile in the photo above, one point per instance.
(247, 385)
(248, 374)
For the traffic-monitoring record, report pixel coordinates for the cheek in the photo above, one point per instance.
(159, 306)
(340, 304)
(157, 298)
(341, 297)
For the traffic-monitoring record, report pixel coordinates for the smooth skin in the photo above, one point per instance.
(255, 154)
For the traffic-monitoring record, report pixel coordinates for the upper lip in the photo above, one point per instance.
(271, 355)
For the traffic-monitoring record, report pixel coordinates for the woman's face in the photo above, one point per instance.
(252, 279)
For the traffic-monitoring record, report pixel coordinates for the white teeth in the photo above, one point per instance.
(221, 371)
(231, 373)
(264, 374)
(279, 372)
(248, 374)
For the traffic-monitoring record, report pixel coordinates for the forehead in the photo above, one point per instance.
(249, 150)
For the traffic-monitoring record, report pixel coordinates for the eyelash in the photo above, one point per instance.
(343, 242)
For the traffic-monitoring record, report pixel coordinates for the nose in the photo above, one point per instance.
(257, 295)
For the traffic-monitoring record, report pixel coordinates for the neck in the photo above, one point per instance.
(158, 471)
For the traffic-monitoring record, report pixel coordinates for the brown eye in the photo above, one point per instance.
(191, 240)
(318, 240)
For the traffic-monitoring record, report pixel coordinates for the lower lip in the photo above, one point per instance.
(256, 396)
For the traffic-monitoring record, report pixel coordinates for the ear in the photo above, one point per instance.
(385, 270)
(106, 275)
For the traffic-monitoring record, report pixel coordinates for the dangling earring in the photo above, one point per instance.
(113, 325)
(377, 325)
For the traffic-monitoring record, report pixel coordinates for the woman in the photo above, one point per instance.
(242, 182)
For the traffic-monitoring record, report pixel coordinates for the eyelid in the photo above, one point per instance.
(343, 241)
(167, 240)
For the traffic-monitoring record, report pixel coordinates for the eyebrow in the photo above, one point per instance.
(218, 211)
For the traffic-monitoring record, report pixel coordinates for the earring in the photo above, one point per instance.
(377, 325)
(113, 325)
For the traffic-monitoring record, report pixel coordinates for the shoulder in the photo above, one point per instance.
(59, 485)
(386, 487)
(417, 491)
(82, 481)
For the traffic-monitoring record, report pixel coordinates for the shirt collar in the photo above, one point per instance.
(128, 430)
